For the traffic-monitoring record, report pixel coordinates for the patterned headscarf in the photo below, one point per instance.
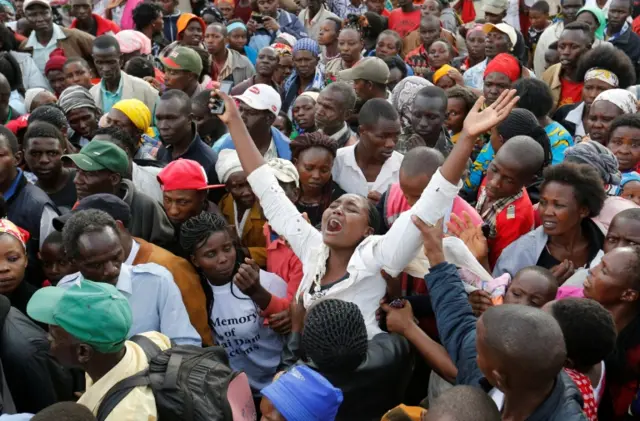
(621, 98)
(307, 44)
(599, 157)
(604, 75)
(75, 97)
(130, 41)
(404, 94)
(282, 49)
(8, 227)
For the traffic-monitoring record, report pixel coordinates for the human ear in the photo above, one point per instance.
(629, 295)
(84, 353)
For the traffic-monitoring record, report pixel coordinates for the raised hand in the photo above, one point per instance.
(471, 235)
(230, 108)
(478, 122)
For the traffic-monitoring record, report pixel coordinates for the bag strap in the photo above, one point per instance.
(119, 391)
(149, 347)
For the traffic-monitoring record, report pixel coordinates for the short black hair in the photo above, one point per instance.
(535, 96)
(84, 222)
(421, 160)
(541, 6)
(396, 62)
(611, 59)
(54, 237)
(7, 39)
(376, 109)
(395, 35)
(185, 100)
(553, 45)
(104, 42)
(312, 140)
(586, 183)
(10, 138)
(76, 59)
(465, 94)
(120, 138)
(433, 92)
(139, 67)
(221, 26)
(144, 14)
(463, 403)
(202, 99)
(65, 411)
(521, 122)
(52, 114)
(527, 341)
(624, 120)
(42, 129)
(588, 329)
(582, 27)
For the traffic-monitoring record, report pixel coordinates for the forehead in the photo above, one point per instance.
(573, 36)
(303, 101)
(385, 126)
(172, 106)
(117, 115)
(627, 131)
(302, 54)
(80, 2)
(74, 65)
(105, 52)
(8, 241)
(623, 226)
(352, 199)
(267, 52)
(439, 44)
(349, 34)
(605, 107)
(425, 103)
(497, 77)
(181, 194)
(105, 240)
(42, 143)
(429, 24)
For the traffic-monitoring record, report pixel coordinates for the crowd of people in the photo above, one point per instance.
(302, 210)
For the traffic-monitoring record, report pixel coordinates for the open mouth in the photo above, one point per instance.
(549, 225)
(334, 226)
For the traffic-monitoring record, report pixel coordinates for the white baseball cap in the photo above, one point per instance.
(261, 97)
(505, 28)
(29, 3)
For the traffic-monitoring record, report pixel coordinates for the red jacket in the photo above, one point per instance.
(103, 25)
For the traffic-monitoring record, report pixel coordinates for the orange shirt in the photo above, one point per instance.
(403, 23)
(570, 92)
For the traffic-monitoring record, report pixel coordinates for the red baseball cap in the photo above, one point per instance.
(184, 174)
(18, 124)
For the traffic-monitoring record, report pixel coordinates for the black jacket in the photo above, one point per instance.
(376, 386)
(34, 378)
(629, 43)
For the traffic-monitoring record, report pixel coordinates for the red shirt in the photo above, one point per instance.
(282, 261)
(403, 23)
(103, 25)
(590, 407)
(570, 92)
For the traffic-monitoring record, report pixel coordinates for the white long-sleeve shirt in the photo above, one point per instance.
(363, 286)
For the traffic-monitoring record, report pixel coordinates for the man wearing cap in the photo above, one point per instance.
(182, 70)
(47, 36)
(369, 78)
(259, 106)
(88, 327)
(116, 85)
(501, 38)
(139, 252)
(179, 135)
(101, 168)
(495, 11)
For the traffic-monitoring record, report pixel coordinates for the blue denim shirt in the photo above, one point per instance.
(280, 140)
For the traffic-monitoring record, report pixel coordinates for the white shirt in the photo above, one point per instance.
(350, 177)
(364, 286)
(135, 247)
(575, 117)
(252, 346)
(41, 52)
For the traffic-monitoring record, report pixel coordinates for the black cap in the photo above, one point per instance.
(109, 203)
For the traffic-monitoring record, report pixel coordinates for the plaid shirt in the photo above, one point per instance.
(343, 8)
(489, 215)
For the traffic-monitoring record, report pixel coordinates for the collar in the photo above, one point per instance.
(13, 188)
(555, 70)
(58, 34)
(338, 135)
(125, 282)
(104, 89)
(135, 248)
(575, 116)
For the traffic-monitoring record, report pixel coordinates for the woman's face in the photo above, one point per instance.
(284, 69)
(601, 115)
(216, 258)
(592, 88)
(559, 210)
(624, 142)
(475, 44)
(304, 112)
(238, 39)
(57, 80)
(13, 262)
(494, 84)
(439, 55)
(345, 223)
(609, 282)
(305, 63)
(386, 47)
(456, 112)
(314, 166)
(328, 33)
(350, 44)
(192, 35)
(77, 74)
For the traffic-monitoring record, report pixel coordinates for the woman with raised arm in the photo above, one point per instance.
(344, 259)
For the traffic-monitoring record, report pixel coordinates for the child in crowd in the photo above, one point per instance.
(624, 141)
(54, 260)
(284, 124)
(539, 17)
(630, 186)
(590, 336)
(240, 207)
(460, 101)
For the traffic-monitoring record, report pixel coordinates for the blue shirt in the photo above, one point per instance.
(110, 99)
(280, 140)
(560, 140)
(155, 300)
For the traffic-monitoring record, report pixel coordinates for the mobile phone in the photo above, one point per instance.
(218, 106)
(258, 18)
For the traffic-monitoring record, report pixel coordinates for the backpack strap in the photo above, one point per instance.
(149, 347)
(119, 391)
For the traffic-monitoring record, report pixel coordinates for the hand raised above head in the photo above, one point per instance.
(478, 122)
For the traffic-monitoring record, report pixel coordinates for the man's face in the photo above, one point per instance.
(8, 163)
(173, 121)
(240, 189)
(330, 110)
(255, 120)
(375, 6)
(181, 205)
(214, 40)
(39, 17)
(381, 138)
(429, 31)
(81, 9)
(93, 182)
(268, 7)
(430, 7)
(267, 62)
(43, 155)
(107, 62)
(497, 42)
(83, 121)
(157, 26)
(117, 118)
(363, 89)
(178, 79)
(570, 10)
(168, 6)
(63, 347)
(427, 117)
(619, 11)
(494, 18)
(208, 125)
(571, 46)
(100, 256)
(77, 73)
(57, 81)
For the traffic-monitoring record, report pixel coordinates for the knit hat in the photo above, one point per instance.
(30, 95)
(228, 162)
(506, 64)
(55, 62)
(302, 394)
(75, 97)
(284, 170)
(335, 336)
(599, 157)
(307, 44)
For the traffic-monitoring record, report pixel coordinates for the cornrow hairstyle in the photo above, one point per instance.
(464, 94)
(10, 68)
(611, 59)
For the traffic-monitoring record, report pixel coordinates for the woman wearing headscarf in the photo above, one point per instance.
(306, 74)
(605, 108)
(82, 113)
(190, 33)
(134, 117)
(285, 63)
(402, 98)
(595, 18)
(501, 72)
(36, 97)
(601, 69)
(13, 250)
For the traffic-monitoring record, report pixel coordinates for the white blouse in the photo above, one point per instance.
(392, 252)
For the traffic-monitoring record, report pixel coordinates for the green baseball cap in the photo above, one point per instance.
(100, 155)
(183, 58)
(95, 313)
